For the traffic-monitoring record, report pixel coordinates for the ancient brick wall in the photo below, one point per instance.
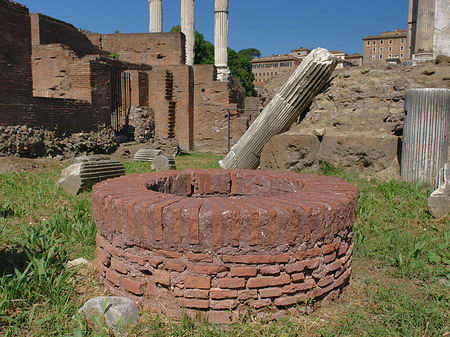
(15, 50)
(68, 115)
(139, 88)
(15, 62)
(51, 70)
(48, 30)
(156, 49)
(171, 98)
(219, 242)
(210, 119)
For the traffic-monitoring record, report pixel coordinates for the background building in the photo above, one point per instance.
(386, 46)
(264, 68)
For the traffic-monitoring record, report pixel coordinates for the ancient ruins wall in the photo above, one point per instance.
(67, 115)
(219, 242)
(211, 97)
(19, 107)
(15, 63)
(171, 98)
(51, 70)
(156, 49)
(48, 30)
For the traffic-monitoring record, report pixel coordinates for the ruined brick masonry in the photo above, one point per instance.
(220, 242)
(56, 76)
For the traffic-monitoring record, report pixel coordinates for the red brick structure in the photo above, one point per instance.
(57, 68)
(220, 241)
(72, 69)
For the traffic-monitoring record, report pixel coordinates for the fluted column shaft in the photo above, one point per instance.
(425, 133)
(188, 28)
(156, 16)
(290, 101)
(221, 38)
(425, 27)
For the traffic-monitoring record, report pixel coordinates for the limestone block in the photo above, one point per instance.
(439, 200)
(357, 151)
(118, 312)
(163, 163)
(290, 151)
(290, 101)
(146, 154)
(85, 174)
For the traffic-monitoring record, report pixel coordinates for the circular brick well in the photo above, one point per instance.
(221, 242)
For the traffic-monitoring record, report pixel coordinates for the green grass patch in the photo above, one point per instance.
(403, 256)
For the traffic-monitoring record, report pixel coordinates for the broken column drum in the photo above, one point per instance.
(218, 242)
(284, 108)
(425, 134)
(156, 16)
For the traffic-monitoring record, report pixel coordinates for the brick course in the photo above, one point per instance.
(224, 271)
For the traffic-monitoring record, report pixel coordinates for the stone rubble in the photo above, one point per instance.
(34, 142)
(357, 103)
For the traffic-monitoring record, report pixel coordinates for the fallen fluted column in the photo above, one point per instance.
(425, 134)
(290, 101)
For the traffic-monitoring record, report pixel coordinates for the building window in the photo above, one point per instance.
(374, 50)
(374, 42)
(402, 41)
(390, 41)
(402, 48)
(381, 56)
(373, 57)
(381, 49)
(401, 55)
(368, 43)
(390, 48)
(390, 56)
(381, 41)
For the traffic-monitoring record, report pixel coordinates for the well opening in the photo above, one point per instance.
(222, 241)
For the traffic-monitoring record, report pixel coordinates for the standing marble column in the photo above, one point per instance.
(424, 30)
(221, 39)
(411, 35)
(156, 16)
(188, 28)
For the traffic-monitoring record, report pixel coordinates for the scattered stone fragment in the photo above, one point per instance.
(77, 262)
(116, 312)
(439, 200)
(147, 154)
(84, 174)
(163, 163)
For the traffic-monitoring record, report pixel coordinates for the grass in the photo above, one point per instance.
(400, 283)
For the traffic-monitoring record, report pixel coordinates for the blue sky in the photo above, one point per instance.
(272, 26)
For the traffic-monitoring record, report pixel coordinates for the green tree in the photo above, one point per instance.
(241, 68)
(249, 53)
(240, 65)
